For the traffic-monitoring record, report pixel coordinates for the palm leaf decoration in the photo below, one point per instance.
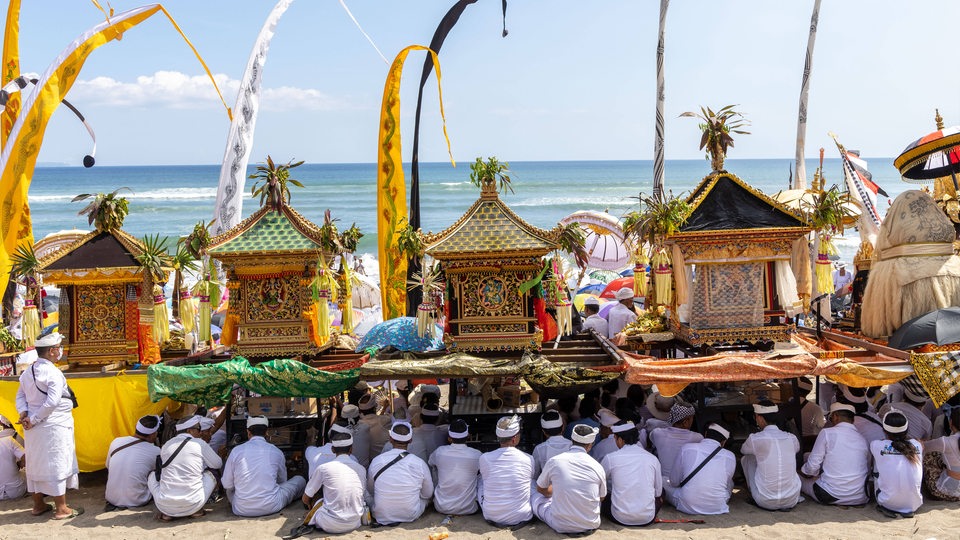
(350, 238)
(572, 239)
(24, 263)
(827, 211)
(182, 261)
(154, 259)
(717, 128)
(198, 240)
(106, 211)
(491, 174)
(273, 183)
(656, 219)
(410, 240)
(329, 235)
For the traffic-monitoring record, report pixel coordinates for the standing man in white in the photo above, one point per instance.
(46, 413)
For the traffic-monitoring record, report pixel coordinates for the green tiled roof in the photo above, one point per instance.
(272, 232)
(490, 227)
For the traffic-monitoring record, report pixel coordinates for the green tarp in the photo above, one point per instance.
(211, 384)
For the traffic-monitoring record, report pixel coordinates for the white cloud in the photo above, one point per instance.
(176, 90)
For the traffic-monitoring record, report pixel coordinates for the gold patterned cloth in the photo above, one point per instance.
(939, 373)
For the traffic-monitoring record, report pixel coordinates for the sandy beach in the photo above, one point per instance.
(808, 520)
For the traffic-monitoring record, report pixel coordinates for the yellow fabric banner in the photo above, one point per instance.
(11, 68)
(109, 408)
(20, 154)
(392, 189)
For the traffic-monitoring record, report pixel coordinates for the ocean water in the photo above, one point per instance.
(169, 200)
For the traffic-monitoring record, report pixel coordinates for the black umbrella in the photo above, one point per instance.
(939, 327)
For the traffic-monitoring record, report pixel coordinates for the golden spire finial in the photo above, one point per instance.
(939, 120)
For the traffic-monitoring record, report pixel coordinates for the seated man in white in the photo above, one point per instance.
(605, 439)
(634, 480)
(130, 462)
(921, 428)
(836, 469)
(428, 435)
(400, 481)
(13, 483)
(701, 481)
(667, 441)
(456, 467)
(770, 461)
(360, 432)
(318, 455)
(378, 424)
(343, 482)
(184, 483)
(506, 477)
(554, 442)
(571, 486)
(591, 308)
(255, 475)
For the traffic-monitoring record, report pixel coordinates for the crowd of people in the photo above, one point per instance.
(617, 454)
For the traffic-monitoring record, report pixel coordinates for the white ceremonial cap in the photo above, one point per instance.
(626, 425)
(458, 429)
(189, 423)
(591, 301)
(350, 411)
(206, 423)
(398, 437)
(838, 406)
(607, 417)
(342, 443)
(401, 384)
(337, 428)
(508, 426)
(719, 429)
(768, 409)
(625, 293)
(257, 421)
(50, 340)
(895, 429)
(586, 438)
(551, 420)
(367, 402)
(140, 427)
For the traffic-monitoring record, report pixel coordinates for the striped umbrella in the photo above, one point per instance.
(932, 157)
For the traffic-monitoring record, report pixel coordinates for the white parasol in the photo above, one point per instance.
(605, 242)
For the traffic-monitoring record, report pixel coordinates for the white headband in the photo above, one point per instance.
(508, 426)
(206, 423)
(850, 397)
(607, 417)
(398, 437)
(585, 439)
(620, 428)
(837, 406)
(342, 443)
(551, 424)
(894, 429)
(140, 427)
(257, 421)
(337, 428)
(189, 423)
(720, 429)
(768, 409)
(459, 434)
(350, 411)
(367, 402)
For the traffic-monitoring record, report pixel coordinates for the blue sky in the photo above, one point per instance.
(573, 80)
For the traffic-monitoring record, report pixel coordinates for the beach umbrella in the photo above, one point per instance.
(603, 276)
(593, 288)
(939, 327)
(605, 309)
(627, 272)
(604, 243)
(400, 333)
(935, 156)
(611, 289)
(580, 298)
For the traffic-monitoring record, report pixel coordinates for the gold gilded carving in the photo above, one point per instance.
(272, 299)
(100, 313)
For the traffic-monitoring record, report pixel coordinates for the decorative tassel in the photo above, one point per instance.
(824, 268)
(30, 326)
(203, 332)
(662, 277)
(324, 290)
(313, 327)
(161, 317)
(148, 349)
(640, 274)
(188, 311)
(231, 329)
(346, 300)
(565, 318)
(426, 320)
(323, 319)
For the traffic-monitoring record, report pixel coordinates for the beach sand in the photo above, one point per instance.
(808, 520)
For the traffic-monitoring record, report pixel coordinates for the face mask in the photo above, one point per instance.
(59, 353)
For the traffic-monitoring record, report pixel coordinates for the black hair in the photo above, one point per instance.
(42, 351)
(148, 422)
(630, 436)
(340, 450)
(636, 394)
(258, 430)
(427, 419)
(715, 435)
(582, 430)
(846, 416)
(590, 309)
(551, 415)
(900, 441)
(459, 425)
(567, 404)
(588, 407)
(771, 418)
(606, 400)
(612, 386)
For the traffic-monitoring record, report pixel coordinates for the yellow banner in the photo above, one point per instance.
(392, 189)
(109, 408)
(20, 155)
(11, 68)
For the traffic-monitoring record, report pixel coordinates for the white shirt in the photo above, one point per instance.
(596, 322)
(318, 455)
(668, 442)
(361, 443)
(556, 444)
(344, 483)
(255, 470)
(618, 317)
(844, 458)
(602, 448)
(180, 490)
(919, 425)
(50, 444)
(948, 446)
(426, 439)
(870, 429)
(128, 470)
(402, 492)
(12, 483)
(709, 490)
(812, 418)
(898, 479)
(456, 467)
(506, 477)
(379, 432)
(776, 480)
(635, 481)
(579, 482)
